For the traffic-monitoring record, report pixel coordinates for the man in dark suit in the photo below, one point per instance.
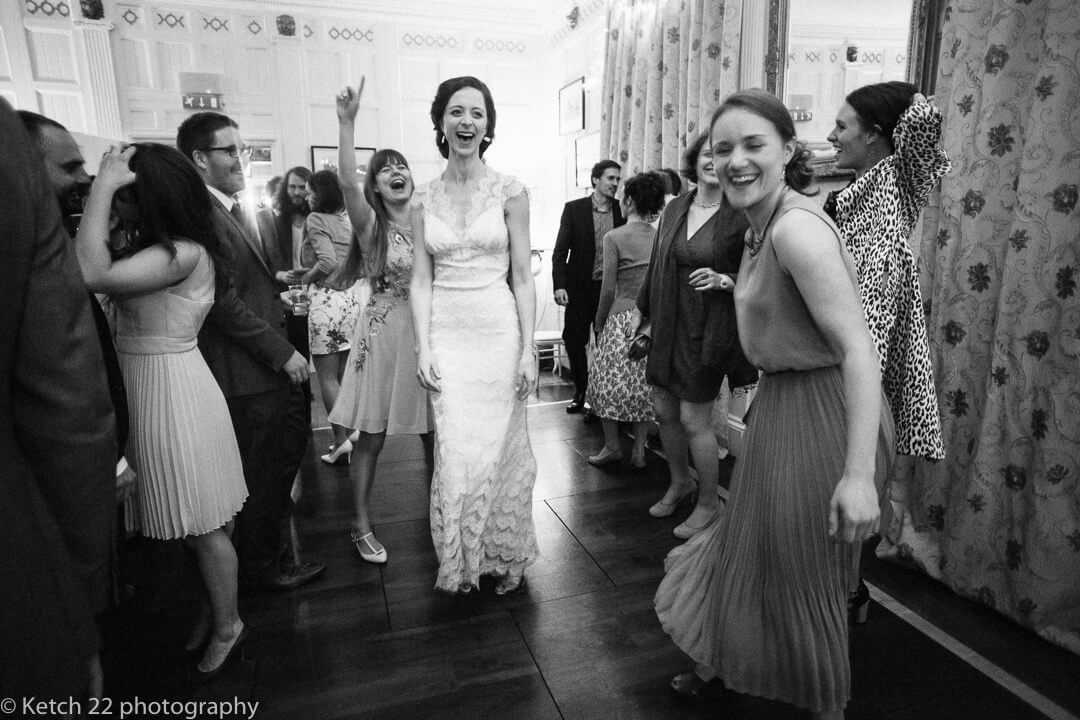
(57, 441)
(577, 265)
(260, 373)
(66, 169)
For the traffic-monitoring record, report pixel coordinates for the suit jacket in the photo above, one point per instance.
(578, 240)
(243, 339)
(276, 242)
(720, 348)
(57, 441)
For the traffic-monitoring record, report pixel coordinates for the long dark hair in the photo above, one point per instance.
(797, 172)
(375, 263)
(281, 196)
(173, 203)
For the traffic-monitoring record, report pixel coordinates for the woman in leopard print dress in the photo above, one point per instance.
(891, 137)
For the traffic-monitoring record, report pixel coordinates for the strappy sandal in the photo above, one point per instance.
(367, 549)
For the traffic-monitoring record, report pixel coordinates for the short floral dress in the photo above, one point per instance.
(379, 391)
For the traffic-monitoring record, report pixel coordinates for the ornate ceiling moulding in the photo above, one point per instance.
(520, 15)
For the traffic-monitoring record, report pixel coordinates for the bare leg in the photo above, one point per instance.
(696, 419)
(673, 436)
(330, 369)
(611, 436)
(362, 473)
(641, 434)
(217, 565)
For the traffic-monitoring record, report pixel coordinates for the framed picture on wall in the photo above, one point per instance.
(572, 107)
(324, 157)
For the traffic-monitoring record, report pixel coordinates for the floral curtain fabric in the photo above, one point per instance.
(668, 64)
(999, 519)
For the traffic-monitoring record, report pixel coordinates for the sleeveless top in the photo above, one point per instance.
(776, 329)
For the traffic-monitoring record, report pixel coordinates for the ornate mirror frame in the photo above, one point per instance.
(924, 44)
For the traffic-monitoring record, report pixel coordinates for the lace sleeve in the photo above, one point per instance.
(920, 159)
(512, 187)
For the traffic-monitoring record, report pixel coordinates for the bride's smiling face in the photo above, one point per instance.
(464, 122)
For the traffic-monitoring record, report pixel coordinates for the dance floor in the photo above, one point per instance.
(582, 642)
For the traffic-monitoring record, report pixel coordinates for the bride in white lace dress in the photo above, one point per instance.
(471, 229)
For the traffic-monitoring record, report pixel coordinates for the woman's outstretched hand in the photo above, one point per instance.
(348, 102)
(854, 513)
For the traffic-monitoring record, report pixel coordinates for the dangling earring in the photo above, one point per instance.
(440, 139)
(486, 139)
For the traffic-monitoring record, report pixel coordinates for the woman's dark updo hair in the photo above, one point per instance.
(647, 190)
(674, 182)
(879, 106)
(690, 156)
(328, 195)
(797, 172)
(171, 202)
(446, 90)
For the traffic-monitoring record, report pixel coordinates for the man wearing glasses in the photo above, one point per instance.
(260, 373)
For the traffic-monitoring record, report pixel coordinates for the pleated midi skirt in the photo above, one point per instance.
(182, 445)
(761, 597)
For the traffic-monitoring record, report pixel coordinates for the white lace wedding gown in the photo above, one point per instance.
(481, 493)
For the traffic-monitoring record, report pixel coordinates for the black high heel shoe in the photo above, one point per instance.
(858, 604)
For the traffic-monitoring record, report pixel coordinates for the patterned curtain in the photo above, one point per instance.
(999, 519)
(668, 64)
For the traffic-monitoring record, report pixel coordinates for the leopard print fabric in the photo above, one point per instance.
(876, 215)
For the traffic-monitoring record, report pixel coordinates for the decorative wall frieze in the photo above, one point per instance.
(433, 40)
(214, 23)
(167, 19)
(500, 45)
(47, 8)
(345, 31)
(131, 15)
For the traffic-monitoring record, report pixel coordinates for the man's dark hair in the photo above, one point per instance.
(34, 123)
(197, 132)
(599, 168)
(284, 204)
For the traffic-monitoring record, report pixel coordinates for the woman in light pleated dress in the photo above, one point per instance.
(379, 392)
(760, 598)
(149, 201)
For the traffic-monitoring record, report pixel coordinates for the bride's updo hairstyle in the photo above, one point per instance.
(446, 90)
(797, 172)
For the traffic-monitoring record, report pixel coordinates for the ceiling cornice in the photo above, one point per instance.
(519, 16)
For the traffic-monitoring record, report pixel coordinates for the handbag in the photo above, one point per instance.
(639, 347)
